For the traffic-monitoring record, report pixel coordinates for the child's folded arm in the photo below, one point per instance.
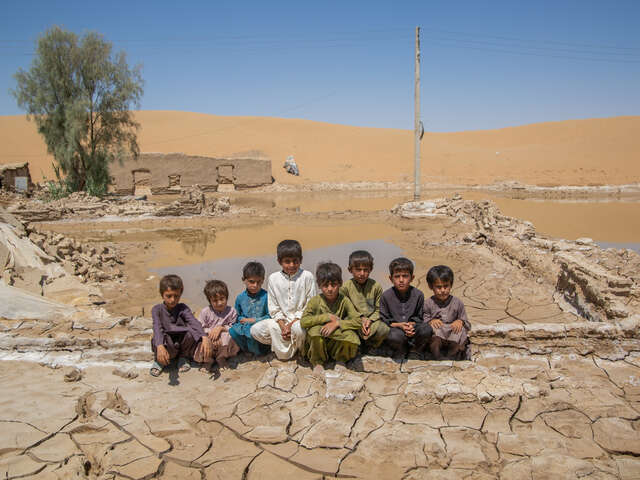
(350, 318)
(309, 320)
(275, 311)
(462, 315)
(238, 307)
(376, 303)
(158, 329)
(385, 314)
(193, 323)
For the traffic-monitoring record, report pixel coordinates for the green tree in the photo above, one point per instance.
(80, 96)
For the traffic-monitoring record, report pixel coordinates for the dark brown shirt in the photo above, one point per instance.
(398, 308)
(178, 320)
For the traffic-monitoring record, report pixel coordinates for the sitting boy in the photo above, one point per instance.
(288, 291)
(216, 320)
(365, 293)
(446, 315)
(176, 332)
(401, 309)
(251, 306)
(331, 321)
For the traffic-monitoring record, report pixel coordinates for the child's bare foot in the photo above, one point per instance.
(340, 366)
(318, 370)
(222, 364)
(205, 367)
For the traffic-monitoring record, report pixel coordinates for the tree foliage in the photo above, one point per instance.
(80, 96)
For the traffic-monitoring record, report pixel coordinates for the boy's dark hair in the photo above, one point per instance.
(171, 282)
(439, 272)
(253, 269)
(328, 272)
(401, 264)
(289, 248)
(215, 287)
(361, 257)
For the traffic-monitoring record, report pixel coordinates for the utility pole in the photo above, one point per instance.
(417, 128)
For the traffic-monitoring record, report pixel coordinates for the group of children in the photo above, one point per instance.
(290, 316)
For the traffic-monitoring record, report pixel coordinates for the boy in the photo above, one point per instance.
(401, 309)
(365, 293)
(216, 320)
(176, 332)
(251, 306)
(288, 292)
(331, 321)
(446, 315)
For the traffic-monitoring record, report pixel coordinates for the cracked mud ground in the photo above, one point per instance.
(548, 394)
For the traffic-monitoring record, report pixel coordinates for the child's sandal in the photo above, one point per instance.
(183, 365)
(155, 370)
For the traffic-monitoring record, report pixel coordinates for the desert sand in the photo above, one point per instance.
(573, 152)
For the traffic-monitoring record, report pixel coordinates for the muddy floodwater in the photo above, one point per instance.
(612, 220)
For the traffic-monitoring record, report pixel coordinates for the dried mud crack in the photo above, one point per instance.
(552, 388)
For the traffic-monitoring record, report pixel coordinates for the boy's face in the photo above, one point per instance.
(360, 272)
(218, 302)
(253, 284)
(441, 289)
(401, 279)
(330, 290)
(171, 297)
(290, 265)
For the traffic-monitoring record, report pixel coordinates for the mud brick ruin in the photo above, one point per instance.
(170, 172)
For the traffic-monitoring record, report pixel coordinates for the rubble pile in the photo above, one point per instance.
(92, 263)
(584, 274)
(82, 205)
(194, 202)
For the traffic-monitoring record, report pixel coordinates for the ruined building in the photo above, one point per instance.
(170, 172)
(16, 177)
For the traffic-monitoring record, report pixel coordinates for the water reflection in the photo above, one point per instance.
(230, 269)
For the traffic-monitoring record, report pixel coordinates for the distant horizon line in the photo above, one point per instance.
(368, 127)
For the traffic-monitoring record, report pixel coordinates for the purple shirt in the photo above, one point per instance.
(178, 320)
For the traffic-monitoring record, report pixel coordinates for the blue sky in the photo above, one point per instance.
(485, 64)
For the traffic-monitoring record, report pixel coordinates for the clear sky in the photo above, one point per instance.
(485, 64)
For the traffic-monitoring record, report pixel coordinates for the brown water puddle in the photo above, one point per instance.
(603, 219)
(224, 256)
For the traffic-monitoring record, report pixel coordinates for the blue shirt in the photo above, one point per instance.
(252, 306)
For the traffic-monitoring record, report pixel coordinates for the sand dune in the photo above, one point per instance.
(575, 152)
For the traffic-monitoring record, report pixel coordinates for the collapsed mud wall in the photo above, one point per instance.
(599, 284)
(168, 172)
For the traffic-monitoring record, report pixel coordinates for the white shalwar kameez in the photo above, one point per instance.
(287, 299)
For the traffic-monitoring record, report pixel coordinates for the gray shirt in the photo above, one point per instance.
(448, 311)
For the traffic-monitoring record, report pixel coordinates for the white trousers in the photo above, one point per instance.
(268, 332)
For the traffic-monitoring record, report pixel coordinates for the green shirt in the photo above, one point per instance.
(366, 298)
(318, 312)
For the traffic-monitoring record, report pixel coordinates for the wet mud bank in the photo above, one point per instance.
(553, 387)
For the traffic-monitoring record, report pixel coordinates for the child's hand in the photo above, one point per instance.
(436, 323)
(366, 326)
(409, 330)
(247, 320)
(206, 347)
(162, 355)
(215, 332)
(456, 326)
(330, 327)
(285, 328)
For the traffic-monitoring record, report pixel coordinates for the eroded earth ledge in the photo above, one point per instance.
(552, 389)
